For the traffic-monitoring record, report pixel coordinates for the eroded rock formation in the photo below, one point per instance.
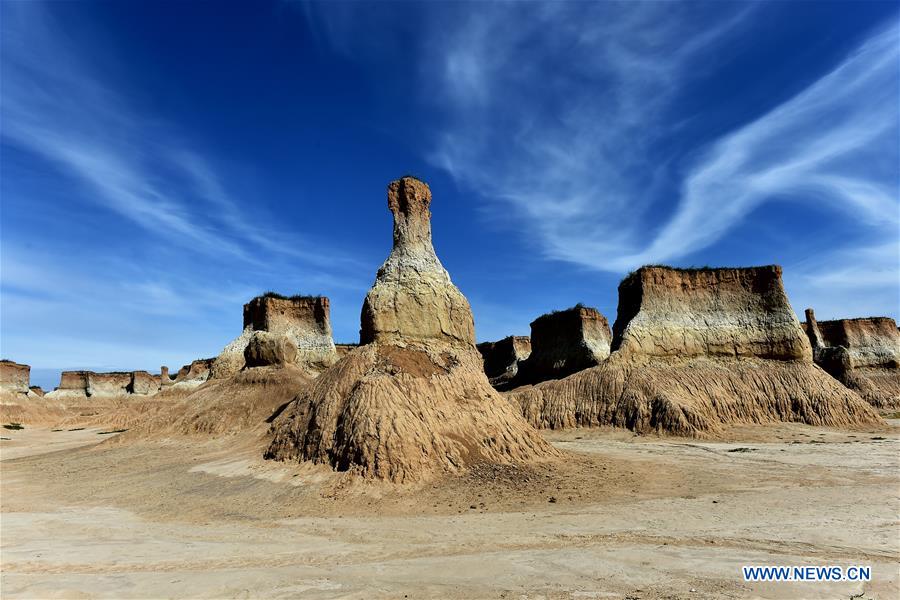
(270, 349)
(693, 351)
(502, 358)
(195, 373)
(14, 377)
(565, 342)
(708, 312)
(143, 383)
(305, 320)
(863, 354)
(412, 401)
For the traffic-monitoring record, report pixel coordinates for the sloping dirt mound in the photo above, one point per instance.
(74, 411)
(229, 406)
(692, 397)
(404, 415)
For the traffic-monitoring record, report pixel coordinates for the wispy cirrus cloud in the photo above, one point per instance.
(834, 145)
(567, 136)
(55, 105)
(568, 120)
(165, 253)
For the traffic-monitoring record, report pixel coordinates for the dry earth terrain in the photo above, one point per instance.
(86, 515)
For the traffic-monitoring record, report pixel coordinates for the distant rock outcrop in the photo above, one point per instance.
(502, 358)
(14, 377)
(695, 350)
(412, 401)
(195, 373)
(565, 342)
(303, 319)
(142, 382)
(863, 354)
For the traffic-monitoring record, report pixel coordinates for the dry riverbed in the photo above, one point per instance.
(88, 516)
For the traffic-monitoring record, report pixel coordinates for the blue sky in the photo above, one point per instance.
(162, 163)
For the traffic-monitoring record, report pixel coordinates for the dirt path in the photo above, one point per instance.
(629, 517)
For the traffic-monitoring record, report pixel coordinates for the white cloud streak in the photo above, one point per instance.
(191, 254)
(563, 130)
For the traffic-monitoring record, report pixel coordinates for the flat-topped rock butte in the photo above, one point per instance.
(304, 321)
(694, 350)
(862, 353)
(564, 342)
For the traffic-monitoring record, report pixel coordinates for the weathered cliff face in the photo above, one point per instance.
(37, 390)
(693, 352)
(863, 354)
(143, 383)
(74, 380)
(565, 342)
(14, 377)
(303, 319)
(195, 373)
(708, 312)
(413, 401)
(74, 384)
(270, 349)
(502, 358)
(108, 384)
(413, 298)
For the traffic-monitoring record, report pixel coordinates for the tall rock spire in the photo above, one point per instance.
(413, 298)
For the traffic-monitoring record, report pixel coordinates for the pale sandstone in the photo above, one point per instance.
(863, 354)
(14, 377)
(304, 319)
(270, 349)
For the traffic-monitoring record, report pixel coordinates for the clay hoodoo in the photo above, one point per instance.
(694, 350)
(412, 401)
(565, 342)
(863, 354)
(303, 321)
(502, 358)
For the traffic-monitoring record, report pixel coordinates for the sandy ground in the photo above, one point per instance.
(622, 516)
